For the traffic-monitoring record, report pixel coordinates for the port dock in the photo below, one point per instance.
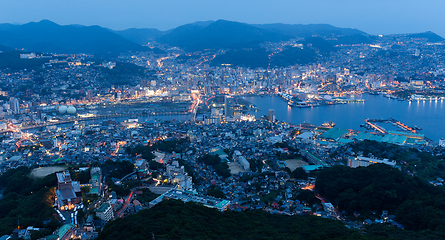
(370, 123)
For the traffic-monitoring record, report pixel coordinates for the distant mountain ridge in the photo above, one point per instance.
(140, 35)
(218, 34)
(47, 36)
(301, 30)
(229, 34)
(432, 37)
(5, 48)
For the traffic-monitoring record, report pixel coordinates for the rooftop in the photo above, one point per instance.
(334, 133)
(103, 207)
(64, 229)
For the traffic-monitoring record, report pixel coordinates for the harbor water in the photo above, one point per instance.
(428, 115)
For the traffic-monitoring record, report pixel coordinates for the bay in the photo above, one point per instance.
(428, 115)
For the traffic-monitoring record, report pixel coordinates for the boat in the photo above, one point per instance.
(373, 93)
(302, 105)
(417, 128)
(328, 124)
(314, 104)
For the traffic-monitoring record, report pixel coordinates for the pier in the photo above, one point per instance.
(339, 100)
(376, 127)
(295, 102)
(393, 121)
(403, 126)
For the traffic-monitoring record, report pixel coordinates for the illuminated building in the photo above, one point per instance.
(14, 105)
(142, 168)
(90, 95)
(105, 212)
(228, 107)
(365, 161)
(96, 181)
(67, 192)
(66, 232)
(271, 117)
(187, 196)
(442, 142)
(177, 175)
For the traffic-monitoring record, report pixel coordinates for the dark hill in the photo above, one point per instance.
(432, 37)
(321, 45)
(354, 39)
(140, 35)
(172, 219)
(5, 48)
(12, 60)
(259, 58)
(292, 56)
(47, 36)
(416, 204)
(219, 34)
(249, 58)
(301, 30)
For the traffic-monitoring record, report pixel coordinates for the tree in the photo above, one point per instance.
(155, 165)
(299, 173)
(215, 191)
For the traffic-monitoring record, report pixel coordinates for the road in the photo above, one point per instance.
(127, 202)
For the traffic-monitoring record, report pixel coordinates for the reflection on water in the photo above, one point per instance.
(429, 116)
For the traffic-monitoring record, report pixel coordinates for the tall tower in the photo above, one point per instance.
(90, 95)
(14, 103)
(271, 117)
(228, 107)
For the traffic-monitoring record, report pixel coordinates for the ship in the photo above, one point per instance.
(299, 104)
(302, 105)
(328, 124)
(417, 128)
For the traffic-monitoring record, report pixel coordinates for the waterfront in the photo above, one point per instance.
(428, 115)
(141, 119)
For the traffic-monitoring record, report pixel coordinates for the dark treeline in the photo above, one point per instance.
(174, 219)
(421, 163)
(221, 167)
(416, 204)
(27, 201)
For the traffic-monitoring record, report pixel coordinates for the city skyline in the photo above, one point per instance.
(395, 17)
(297, 131)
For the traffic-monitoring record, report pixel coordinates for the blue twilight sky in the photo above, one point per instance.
(371, 16)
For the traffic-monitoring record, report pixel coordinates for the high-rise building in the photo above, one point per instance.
(96, 181)
(442, 142)
(67, 192)
(228, 107)
(39, 113)
(105, 212)
(90, 95)
(14, 104)
(271, 117)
